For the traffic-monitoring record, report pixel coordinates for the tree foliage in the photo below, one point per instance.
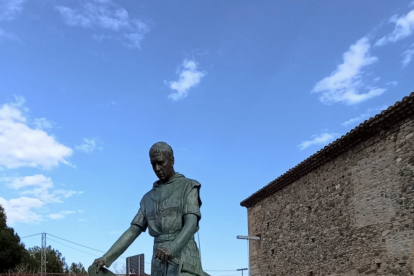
(12, 250)
(77, 268)
(55, 261)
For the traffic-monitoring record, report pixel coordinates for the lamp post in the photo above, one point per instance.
(248, 238)
(241, 269)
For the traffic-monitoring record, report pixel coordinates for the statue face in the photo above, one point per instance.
(163, 166)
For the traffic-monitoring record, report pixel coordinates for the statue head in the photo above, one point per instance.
(162, 161)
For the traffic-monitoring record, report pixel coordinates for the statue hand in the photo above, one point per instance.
(163, 254)
(99, 263)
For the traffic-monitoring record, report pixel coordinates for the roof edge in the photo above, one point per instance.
(383, 121)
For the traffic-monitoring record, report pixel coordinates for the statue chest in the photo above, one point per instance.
(163, 209)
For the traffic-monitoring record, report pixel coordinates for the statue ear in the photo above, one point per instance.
(172, 160)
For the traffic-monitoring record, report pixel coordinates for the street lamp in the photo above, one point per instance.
(248, 247)
(241, 269)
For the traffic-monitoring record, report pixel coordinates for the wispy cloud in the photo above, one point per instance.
(321, 139)
(188, 77)
(392, 83)
(61, 214)
(106, 16)
(89, 145)
(5, 35)
(346, 83)
(9, 9)
(404, 27)
(407, 56)
(22, 146)
(39, 186)
(369, 113)
(42, 123)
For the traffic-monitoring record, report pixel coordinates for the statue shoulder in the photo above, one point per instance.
(146, 197)
(192, 182)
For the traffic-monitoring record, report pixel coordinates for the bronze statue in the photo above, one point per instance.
(171, 212)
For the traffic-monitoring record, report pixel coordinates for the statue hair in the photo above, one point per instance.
(161, 147)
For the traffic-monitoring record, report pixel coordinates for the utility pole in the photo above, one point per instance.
(43, 256)
(241, 269)
(248, 238)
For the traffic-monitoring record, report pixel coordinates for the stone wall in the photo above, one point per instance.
(351, 216)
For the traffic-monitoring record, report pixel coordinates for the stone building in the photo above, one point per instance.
(346, 210)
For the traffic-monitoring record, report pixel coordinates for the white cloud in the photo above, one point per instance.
(19, 209)
(321, 139)
(189, 77)
(346, 82)
(392, 83)
(61, 214)
(109, 17)
(89, 145)
(407, 56)
(42, 123)
(9, 9)
(369, 113)
(404, 27)
(21, 145)
(38, 180)
(40, 188)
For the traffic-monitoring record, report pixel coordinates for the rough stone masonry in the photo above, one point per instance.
(346, 210)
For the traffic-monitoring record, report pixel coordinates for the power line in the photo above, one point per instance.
(77, 243)
(77, 249)
(49, 239)
(101, 250)
(31, 235)
(83, 246)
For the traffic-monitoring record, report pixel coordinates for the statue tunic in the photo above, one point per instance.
(162, 211)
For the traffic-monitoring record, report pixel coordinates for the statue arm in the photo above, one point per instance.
(122, 244)
(189, 228)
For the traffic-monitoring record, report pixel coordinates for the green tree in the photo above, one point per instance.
(12, 250)
(55, 261)
(77, 268)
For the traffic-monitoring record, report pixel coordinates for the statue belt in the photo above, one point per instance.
(166, 237)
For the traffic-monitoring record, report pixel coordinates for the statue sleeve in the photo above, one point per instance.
(140, 220)
(192, 201)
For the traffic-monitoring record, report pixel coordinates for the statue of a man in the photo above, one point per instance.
(171, 212)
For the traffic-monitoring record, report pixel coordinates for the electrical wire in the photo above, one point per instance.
(31, 235)
(82, 245)
(78, 244)
(104, 251)
(49, 239)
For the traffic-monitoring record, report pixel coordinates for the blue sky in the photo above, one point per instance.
(242, 91)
